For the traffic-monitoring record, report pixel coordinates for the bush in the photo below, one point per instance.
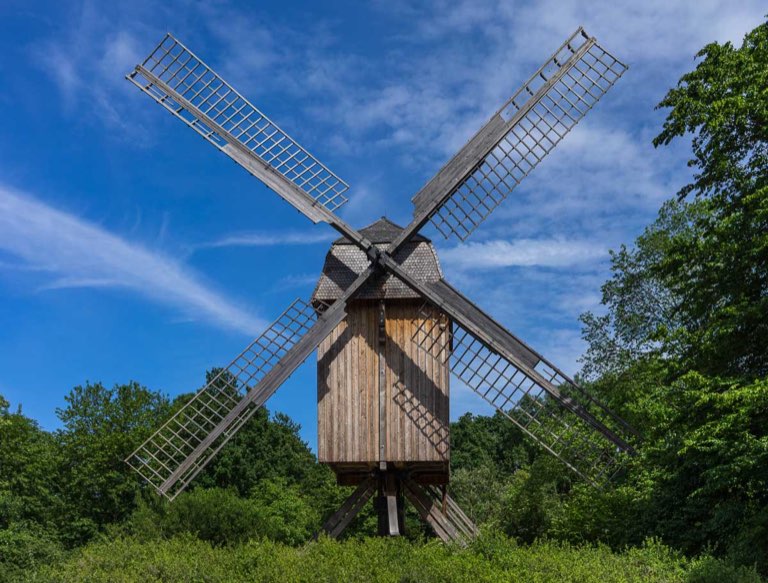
(24, 548)
(275, 510)
(285, 513)
(214, 515)
(479, 491)
(493, 557)
(711, 570)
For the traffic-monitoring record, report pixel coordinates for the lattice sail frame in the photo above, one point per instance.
(523, 400)
(543, 119)
(186, 74)
(159, 458)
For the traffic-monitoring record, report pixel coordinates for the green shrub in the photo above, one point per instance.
(479, 491)
(24, 548)
(214, 515)
(276, 510)
(710, 570)
(493, 557)
(285, 513)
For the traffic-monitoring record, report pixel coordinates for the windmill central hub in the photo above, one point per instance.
(374, 254)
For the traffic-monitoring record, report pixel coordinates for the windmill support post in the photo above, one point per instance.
(394, 486)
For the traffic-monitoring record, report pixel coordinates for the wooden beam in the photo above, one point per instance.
(340, 519)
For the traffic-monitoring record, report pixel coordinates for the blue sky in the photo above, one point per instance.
(131, 250)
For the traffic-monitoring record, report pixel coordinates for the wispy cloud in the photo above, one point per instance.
(78, 253)
(521, 253)
(399, 111)
(87, 62)
(424, 107)
(269, 239)
(290, 282)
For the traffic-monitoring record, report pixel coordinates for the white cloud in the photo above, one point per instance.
(456, 62)
(539, 304)
(452, 64)
(291, 282)
(420, 94)
(88, 64)
(601, 183)
(270, 239)
(521, 253)
(367, 203)
(80, 254)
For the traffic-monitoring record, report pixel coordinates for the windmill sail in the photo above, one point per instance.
(182, 83)
(561, 416)
(568, 432)
(183, 446)
(518, 136)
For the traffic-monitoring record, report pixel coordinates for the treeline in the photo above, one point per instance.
(71, 510)
(680, 351)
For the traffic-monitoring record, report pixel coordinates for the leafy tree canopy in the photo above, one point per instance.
(682, 350)
(718, 269)
(101, 427)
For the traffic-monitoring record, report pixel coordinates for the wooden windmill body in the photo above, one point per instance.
(388, 329)
(382, 400)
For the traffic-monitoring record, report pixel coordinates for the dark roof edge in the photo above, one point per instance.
(382, 231)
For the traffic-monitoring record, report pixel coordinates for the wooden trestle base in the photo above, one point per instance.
(392, 487)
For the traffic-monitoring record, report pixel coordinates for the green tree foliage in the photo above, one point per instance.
(643, 313)
(500, 478)
(28, 495)
(24, 548)
(682, 350)
(719, 271)
(723, 104)
(101, 427)
(478, 441)
(708, 463)
(28, 470)
(266, 447)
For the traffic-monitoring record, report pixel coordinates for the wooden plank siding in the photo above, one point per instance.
(416, 385)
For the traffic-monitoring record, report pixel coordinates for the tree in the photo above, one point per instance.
(263, 448)
(28, 495)
(101, 427)
(500, 477)
(723, 103)
(683, 347)
(643, 312)
(28, 467)
(718, 271)
(480, 441)
(707, 462)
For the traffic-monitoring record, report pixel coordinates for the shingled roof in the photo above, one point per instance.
(382, 231)
(345, 261)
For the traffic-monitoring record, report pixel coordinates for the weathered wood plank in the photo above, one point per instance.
(415, 413)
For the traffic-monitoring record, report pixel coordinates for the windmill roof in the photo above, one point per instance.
(345, 261)
(382, 231)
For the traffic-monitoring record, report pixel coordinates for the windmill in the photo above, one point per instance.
(389, 330)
